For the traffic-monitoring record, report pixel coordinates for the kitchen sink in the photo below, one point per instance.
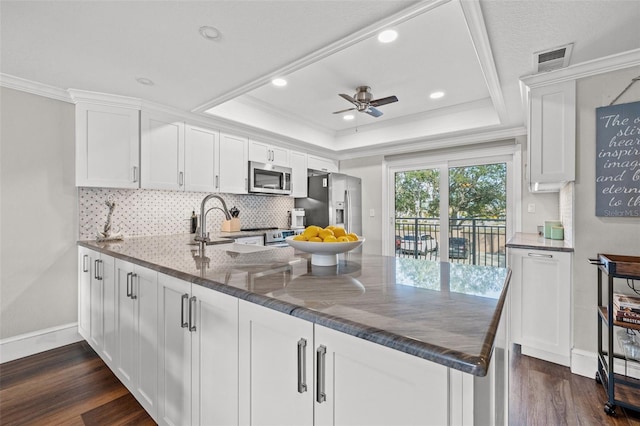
(240, 248)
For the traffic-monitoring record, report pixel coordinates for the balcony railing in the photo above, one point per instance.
(474, 241)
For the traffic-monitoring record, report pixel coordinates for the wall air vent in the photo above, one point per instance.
(549, 60)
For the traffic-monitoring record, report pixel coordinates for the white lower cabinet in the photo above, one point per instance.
(197, 355)
(289, 377)
(541, 303)
(96, 308)
(137, 332)
(276, 368)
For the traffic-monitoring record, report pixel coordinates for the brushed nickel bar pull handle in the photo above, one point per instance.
(181, 179)
(183, 323)
(547, 256)
(85, 268)
(129, 284)
(133, 295)
(321, 353)
(135, 173)
(95, 269)
(192, 312)
(302, 366)
(217, 181)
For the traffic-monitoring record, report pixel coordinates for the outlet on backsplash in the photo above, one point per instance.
(143, 212)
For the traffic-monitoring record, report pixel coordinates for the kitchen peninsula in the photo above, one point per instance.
(255, 336)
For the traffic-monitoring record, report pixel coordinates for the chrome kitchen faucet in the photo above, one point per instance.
(203, 235)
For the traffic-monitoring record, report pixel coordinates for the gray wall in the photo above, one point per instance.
(593, 234)
(38, 214)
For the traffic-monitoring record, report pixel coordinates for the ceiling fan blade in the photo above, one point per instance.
(348, 98)
(344, 110)
(373, 112)
(383, 101)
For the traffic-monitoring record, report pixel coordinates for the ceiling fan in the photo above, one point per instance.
(363, 102)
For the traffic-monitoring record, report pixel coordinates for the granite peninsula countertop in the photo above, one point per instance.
(447, 313)
(537, 242)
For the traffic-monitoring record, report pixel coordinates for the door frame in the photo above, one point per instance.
(510, 153)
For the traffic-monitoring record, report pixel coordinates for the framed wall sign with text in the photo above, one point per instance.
(618, 160)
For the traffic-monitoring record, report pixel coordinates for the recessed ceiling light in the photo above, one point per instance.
(436, 95)
(280, 82)
(145, 81)
(209, 33)
(348, 117)
(387, 36)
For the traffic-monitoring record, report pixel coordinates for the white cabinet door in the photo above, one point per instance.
(109, 306)
(174, 352)
(275, 362)
(552, 139)
(540, 303)
(368, 384)
(322, 164)
(214, 361)
(85, 274)
(162, 151)
(201, 152)
(233, 164)
(298, 164)
(107, 146)
(96, 338)
(137, 332)
(268, 154)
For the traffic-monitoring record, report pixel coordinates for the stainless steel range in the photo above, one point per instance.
(276, 237)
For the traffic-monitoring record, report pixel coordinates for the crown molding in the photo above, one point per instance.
(106, 99)
(603, 65)
(454, 139)
(40, 89)
(404, 15)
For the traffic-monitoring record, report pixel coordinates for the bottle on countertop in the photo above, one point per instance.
(194, 222)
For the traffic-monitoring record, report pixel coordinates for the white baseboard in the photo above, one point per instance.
(547, 356)
(38, 341)
(585, 363)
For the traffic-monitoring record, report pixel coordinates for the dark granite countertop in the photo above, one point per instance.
(442, 312)
(537, 242)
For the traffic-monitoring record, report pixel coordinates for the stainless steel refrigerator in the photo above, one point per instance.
(333, 199)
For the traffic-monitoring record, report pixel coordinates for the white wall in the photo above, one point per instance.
(369, 169)
(38, 214)
(593, 234)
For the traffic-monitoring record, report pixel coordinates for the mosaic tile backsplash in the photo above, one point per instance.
(145, 212)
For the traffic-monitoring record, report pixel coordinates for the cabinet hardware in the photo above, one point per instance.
(181, 179)
(95, 269)
(192, 312)
(302, 366)
(135, 173)
(129, 284)
(547, 256)
(217, 182)
(321, 353)
(85, 268)
(183, 323)
(133, 295)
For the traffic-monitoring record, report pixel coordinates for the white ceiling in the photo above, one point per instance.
(474, 51)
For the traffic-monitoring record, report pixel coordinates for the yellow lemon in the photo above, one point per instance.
(300, 237)
(330, 227)
(324, 233)
(352, 236)
(315, 240)
(344, 239)
(310, 232)
(330, 239)
(339, 232)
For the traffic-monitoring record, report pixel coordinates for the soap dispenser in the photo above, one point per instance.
(194, 222)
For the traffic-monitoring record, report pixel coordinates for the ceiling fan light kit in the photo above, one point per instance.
(364, 103)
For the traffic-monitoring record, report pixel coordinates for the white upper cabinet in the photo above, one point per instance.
(552, 136)
(162, 151)
(107, 153)
(268, 154)
(233, 164)
(322, 164)
(200, 156)
(298, 164)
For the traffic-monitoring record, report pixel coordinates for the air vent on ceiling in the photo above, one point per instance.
(556, 58)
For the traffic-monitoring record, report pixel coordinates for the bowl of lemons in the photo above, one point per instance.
(325, 244)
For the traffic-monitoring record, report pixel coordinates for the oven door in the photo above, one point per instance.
(269, 179)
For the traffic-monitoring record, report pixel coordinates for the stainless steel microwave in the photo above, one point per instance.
(269, 179)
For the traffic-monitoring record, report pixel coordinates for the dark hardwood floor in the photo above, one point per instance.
(72, 386)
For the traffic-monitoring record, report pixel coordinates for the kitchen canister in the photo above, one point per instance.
(548, 224)
(557, 233)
